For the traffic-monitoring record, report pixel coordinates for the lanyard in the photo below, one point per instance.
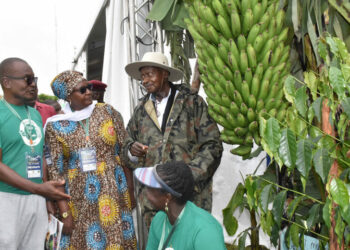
(86, 128)
(13, 111)
(163, 245)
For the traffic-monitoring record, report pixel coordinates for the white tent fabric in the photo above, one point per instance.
(115, 59)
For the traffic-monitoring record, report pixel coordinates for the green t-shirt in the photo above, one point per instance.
(15, 141)
(197, 230)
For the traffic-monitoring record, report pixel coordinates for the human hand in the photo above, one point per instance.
(138, 149)
(53, 190)
(68, 224)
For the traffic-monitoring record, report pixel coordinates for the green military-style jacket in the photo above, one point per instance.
(190, 135)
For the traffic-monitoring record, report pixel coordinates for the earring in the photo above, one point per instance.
(166, 207)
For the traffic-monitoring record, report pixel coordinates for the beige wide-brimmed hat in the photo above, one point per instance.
(153, 59)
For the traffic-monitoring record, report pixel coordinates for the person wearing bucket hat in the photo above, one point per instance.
(84, 145)
(179, 224)
(171, 123)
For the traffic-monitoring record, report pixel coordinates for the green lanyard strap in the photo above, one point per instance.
(86, 128)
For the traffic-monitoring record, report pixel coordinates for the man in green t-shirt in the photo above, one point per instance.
(23, 216)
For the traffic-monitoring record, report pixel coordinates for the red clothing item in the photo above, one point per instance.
(45, 111)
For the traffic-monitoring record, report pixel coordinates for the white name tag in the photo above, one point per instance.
(87, 157)
(33, 165)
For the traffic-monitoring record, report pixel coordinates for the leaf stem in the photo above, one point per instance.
(304, 228)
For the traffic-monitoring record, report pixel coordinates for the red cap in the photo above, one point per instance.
(98, 85)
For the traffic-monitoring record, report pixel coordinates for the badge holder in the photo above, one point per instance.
(47, 155)
(88, 161)
(33, 163)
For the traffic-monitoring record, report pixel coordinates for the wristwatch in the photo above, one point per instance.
(65, 214)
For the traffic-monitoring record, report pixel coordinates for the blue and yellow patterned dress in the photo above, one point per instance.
(100, 202)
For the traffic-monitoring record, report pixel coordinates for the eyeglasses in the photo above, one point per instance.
(28, 79)
(83, 89)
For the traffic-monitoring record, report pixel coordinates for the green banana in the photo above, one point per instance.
(253, 126)
(255, 86)
(235, 24)
(234, 109)
(265, 20)
(237, 98)
(237, 81)
(248, 76)
(279, 21)
(257, 12)
(257, 138)
(243, 61)
(267, 74)
(252, 101)
(220, 9)
(231, 119)
(272, 112)
(208, 14)
(272, 103)
(242, 121)
(241, 42)
(224, 27)
(223, 52)
(264, 90)
(276, 55)
(268, 46)
(272, 28)
(218, 89)
(212, 33)
(219, 64)
(245, 5)
(251, 56)
(224, 42)
(248, 20)
(281, 114)
(232, 139)
(219, 119)
(241, 150)
(259, 105)
(253, 33)
(251, 115)
(244, 108)
(241, 131)
(266, 59)
(225, 100)
(283, 35)
(233, 48)
(227, 73)
(245, 91)
(232, 61)
(258, 43)
(230, 88)
(259, 71)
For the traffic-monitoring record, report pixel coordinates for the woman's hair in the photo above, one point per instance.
(178, 176)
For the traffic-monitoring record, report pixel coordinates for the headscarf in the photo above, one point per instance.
(63, 84)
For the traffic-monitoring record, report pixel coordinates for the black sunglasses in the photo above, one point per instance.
(83, 89)
(28, 79)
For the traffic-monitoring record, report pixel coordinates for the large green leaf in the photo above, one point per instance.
(326, 213)
(242, 240)
(272, 134)
(345, 213)
(323, 163)
(289, 88)
(278, 205)
(311, 82)
(313, 217)
(304, 157)
(337, 81)
(160, 9)
(313, 37)
(346, 106)
(339, 192)
(288, 148)
(294, 232)
(332, 45)
(293, 206)
(250, 186)
(264, 197)
(300, 100)
(339, 226)
(230, 222)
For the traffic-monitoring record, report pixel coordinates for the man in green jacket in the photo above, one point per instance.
(171, 123)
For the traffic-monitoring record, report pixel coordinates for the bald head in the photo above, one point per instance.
(7, 64)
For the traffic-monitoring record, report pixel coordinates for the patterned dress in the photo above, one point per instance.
(100, 202)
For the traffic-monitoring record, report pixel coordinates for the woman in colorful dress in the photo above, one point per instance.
(84, 145)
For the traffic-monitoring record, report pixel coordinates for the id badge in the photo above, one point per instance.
(87, 157)
(33, 162)
(47, 155)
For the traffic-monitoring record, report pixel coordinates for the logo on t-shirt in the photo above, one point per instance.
(29, 130)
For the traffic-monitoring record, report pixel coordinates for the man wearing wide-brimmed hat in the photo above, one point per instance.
(171, 123)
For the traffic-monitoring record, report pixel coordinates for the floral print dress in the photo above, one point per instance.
(100, 203)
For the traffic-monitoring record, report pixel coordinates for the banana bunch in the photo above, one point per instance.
(243, 61)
